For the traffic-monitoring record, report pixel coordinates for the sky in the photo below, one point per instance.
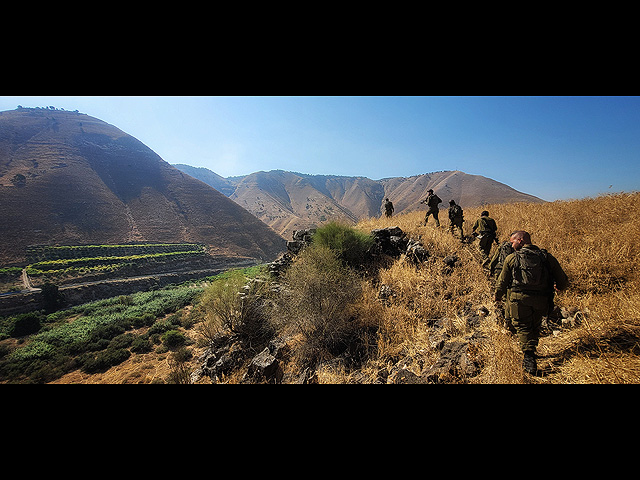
(556, 148)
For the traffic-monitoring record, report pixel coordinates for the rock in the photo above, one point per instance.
(263, 366)
(416, 252)
(385, 293)
(450, 263)
(406, 376)
(459, 360)
(450, 260)
(280, 264)
(390, 241)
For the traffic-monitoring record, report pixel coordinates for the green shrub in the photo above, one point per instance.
(141, 345)
(24, 324)
(349, 244)
(236, 304)
(105, 360)
(319, 291)
(173, 339)
(161, 326)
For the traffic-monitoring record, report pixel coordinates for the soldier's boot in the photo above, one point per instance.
(529, 363)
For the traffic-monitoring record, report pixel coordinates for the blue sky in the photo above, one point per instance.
(553, 147)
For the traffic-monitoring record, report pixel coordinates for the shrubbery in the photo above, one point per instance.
(349, 244)
(236, 304)
(317, 299)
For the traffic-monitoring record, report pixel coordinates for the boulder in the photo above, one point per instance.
(263, 366)
(459, 360)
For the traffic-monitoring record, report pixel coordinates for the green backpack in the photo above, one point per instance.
(531, 272)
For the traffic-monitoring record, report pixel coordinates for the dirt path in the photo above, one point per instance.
(26, 281)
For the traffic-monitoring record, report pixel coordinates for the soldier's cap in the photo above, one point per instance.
(452, 202)
(430, 190)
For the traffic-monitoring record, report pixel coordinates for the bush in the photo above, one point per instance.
(141, 345)
(236, 304)
(173, 339)
(349, 244)
(105, 360)
(319, 292)
(25, 324)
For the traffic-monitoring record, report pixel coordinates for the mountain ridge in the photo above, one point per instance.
(68, 178)
(288, 201)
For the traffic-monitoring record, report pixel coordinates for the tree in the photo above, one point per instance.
(52, 298)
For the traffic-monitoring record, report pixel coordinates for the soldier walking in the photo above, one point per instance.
(528, 278)
(486, 232)
(495, 268)
(388, 208)
(432, 202)
(456, 217)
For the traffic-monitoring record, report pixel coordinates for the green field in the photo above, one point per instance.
(56, 263)
(97, 335)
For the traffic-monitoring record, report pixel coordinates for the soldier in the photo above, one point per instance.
(388, 208)
(528, 277)
(495, 268)
(456, 217)
(487, 229)
(432, 202)
(497, 261)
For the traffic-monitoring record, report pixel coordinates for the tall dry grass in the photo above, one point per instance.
(594, 240)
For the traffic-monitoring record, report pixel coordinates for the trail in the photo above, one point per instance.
(26, 282)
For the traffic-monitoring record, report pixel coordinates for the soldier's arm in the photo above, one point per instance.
(504, 280)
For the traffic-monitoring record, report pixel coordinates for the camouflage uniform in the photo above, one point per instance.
(388, 208)
(487, 229)
(456, 217)
(529, 302)
(495, 268)
(432, 202)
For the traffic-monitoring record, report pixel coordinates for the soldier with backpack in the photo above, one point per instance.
(432, 202)
(456, 217)
(528, 278)
(486, 233)
(388, 208)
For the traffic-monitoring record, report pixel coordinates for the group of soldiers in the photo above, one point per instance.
(524, 276)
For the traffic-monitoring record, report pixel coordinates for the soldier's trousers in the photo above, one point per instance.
(486, 241)
(456, 225)
(435, 215)
(526, 316)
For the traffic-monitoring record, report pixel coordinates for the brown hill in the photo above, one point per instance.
(68, 178)
(288, 201)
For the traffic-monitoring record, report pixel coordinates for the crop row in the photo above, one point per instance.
(39, 253)
(39, 268)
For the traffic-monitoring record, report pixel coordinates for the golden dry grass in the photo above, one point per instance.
(594, 240)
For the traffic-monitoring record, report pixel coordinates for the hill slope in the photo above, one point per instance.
(68, 178)
(287, 200)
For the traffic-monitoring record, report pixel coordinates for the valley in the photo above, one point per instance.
(288, 201)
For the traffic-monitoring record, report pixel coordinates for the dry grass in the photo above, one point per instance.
(594, 241)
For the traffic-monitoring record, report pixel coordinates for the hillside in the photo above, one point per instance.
(287, 201)
(68, 178)
(433, 321)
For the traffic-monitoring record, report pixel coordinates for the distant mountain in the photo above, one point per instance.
(68, 178)
(287, 201)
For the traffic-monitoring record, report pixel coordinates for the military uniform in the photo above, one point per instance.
(388, 208)
(432, 202)
(529, 295)
(456, 217)
(487, 228)
(495, 268)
